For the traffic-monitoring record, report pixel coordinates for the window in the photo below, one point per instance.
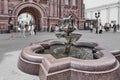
(66, 2)
(74, 2)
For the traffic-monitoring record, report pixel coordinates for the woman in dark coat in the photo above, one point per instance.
(11, 30)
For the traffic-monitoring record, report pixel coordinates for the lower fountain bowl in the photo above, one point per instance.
(47, 67)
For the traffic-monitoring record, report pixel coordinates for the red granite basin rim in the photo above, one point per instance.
(106, 62)
(28, 54)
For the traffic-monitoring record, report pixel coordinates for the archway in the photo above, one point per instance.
(26, 19)
(36, 16)
(37, 11)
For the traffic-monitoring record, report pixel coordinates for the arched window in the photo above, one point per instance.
(74, 2)
(66, 2)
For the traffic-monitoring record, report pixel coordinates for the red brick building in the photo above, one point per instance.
(46, 13)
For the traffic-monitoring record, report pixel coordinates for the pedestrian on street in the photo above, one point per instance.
(114, 28)
(26, 29)
(100, 28)
(56, 28)
(35, 29)
(32, 30)
(118, 26)
(11, 30)
(91, 27)
(96, 30)
(22, 29)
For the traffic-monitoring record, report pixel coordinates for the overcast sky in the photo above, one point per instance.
(95, 3)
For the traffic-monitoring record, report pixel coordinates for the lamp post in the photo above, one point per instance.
(97, 15)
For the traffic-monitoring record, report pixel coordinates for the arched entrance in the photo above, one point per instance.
(35, 15)
(37, 11)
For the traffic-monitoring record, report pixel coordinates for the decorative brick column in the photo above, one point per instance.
(5, 7)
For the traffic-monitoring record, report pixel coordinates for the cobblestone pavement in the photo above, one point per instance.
(11, 48)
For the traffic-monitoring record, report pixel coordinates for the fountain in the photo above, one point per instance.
(70, 60)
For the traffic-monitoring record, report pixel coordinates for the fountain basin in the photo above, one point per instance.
(47, 67)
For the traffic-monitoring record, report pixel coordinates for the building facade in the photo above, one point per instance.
(109, 11)
(46, 13)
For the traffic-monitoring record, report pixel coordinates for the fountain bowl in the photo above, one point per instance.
(47, 67)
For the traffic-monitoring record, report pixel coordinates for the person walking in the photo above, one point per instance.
(118, 26)
(100, 28)
(32, 30)
(96, 30)
(11, 30)
(114, 28)
(56, 28)
(91, 27)
(22, 29)
(26, 29)
(35, 29)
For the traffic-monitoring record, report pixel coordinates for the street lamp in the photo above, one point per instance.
(97, 15)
